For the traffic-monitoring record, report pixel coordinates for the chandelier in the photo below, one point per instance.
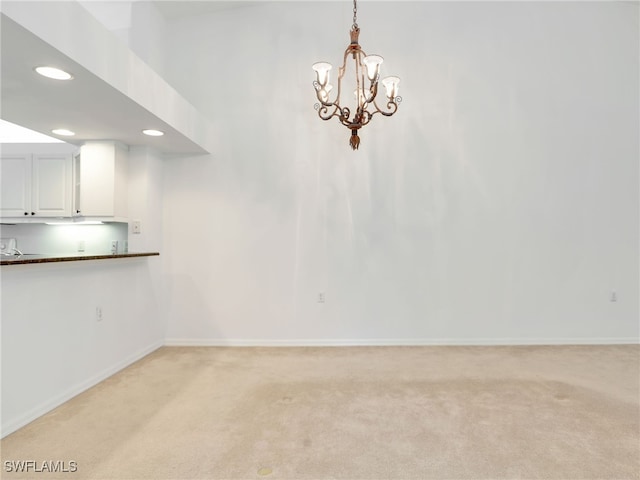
(364, 100)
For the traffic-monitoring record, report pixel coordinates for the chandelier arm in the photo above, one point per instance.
(339, 89)
(324, 114)
(359, 79)
(343, 68)
(347, 123)
(324, 107)
(373, 90)
(322, 102)
(391, 105)
(366, 117)
(338, 111)
(345, 113)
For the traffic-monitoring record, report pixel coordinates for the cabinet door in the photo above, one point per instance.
(76, 208)
(15, 185)
(97, 179)
(51, 190)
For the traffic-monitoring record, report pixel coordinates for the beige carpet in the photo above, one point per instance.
(351, 413)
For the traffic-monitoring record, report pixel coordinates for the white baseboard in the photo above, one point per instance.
(233, 342)
(14, 424)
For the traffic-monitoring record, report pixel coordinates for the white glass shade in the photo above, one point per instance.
(372, 62)
(391, 86)
(322, 71)
(324, 92)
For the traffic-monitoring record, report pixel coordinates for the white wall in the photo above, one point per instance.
(147, 37)
(145, 178)
(115, 16)
(136, 23)
(500, 204)
(52, 345)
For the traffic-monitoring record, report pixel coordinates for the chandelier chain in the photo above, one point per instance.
(355, 15)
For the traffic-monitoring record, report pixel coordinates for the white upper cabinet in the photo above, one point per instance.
(15, 185)
(101, 180)
(36, 185)
(51, 190)
(60, 180)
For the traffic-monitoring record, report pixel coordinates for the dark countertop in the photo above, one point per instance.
(73, 257)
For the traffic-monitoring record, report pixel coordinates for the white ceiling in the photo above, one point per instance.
(185, 8)
(12, 133)
(86, 105)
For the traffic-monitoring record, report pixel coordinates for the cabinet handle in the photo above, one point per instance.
(26, 213)
(33, 213)
(77, 211)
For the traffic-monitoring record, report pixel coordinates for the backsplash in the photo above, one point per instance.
(66, 239)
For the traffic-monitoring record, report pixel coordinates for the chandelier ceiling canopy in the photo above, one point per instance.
(366, 75)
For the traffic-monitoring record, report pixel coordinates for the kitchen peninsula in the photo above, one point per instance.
(28, 259)
(70, 320)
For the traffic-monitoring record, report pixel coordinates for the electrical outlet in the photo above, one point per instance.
(135, 227)
(321, 297)
(114, 246)
(99, 314)
(613, 297)
(81, 245)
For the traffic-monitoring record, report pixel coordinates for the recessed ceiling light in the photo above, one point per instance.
(63, 131)
(153, 133)
(55, 73)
